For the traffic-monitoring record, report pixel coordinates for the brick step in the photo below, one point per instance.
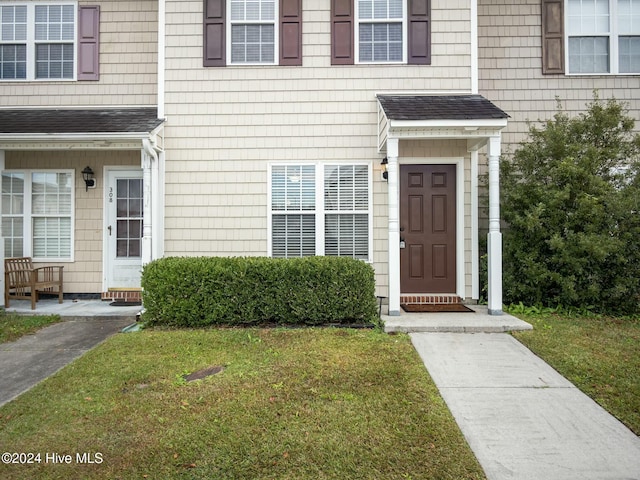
(132, 295)
(428, 299)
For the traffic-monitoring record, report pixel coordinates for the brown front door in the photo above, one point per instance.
(428, 228)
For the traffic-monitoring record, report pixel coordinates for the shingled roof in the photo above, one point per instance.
(78, 121)
(441, 107)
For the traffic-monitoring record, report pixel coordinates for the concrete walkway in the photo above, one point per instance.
(521, 418)
(32, 358)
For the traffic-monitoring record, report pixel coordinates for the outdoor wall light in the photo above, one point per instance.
(385, 174)
(89, 180)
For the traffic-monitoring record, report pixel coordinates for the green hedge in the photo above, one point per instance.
(203, 291)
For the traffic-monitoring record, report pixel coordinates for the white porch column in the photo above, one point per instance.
(394, 226)
(1, 238)
(146, 205)
(494, 239)
(157, 207)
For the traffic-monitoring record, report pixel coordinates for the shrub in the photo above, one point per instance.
(571, 197)
(202, 291)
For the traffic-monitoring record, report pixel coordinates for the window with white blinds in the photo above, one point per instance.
(37, 40)
(346, 204)
(380, 31)
(253, 31)
(13, 214)
(37, 214)
(321, 209)
(603, 36)
(293, 207)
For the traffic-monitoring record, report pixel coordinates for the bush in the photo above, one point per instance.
(202, 291)
(571, 197)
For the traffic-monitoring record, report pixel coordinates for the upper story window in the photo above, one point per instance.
(37, 41)
(253, 31)
(603, 36)
(381, 30)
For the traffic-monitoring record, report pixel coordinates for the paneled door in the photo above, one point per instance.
(123, 234)
(427, 228)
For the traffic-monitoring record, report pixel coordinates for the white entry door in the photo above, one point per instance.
(123, 228)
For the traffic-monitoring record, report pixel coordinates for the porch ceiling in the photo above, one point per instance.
(50, 128)
(470, 117)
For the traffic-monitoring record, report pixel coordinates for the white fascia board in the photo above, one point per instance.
(459, 124)
(66, 137)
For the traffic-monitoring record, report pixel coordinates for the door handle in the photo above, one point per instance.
(109, 228)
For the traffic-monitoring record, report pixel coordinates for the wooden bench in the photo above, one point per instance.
(23, 282)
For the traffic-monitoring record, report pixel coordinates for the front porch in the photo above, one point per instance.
(468, 123)
(82, 188)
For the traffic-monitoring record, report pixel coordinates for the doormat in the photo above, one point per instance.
(123, 303)
(435, 307)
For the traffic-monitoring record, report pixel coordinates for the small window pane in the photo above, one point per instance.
(589, 55)
(629, 55)
(252, 43)
(293, 236)
(381, 42)
(13, 61)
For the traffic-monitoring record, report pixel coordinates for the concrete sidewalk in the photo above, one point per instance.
(521, 418)
(32, 358)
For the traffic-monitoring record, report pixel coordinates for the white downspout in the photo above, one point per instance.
(150, 187)
(161, 56)
(474, 46)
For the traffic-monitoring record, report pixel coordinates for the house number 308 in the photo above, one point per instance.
(110, 194)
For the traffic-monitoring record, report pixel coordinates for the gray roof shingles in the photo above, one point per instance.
(439, 107)
(78, 121)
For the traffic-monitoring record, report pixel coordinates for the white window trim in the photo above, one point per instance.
(31, 41)
(320, 212)
(405, 30)
(613, 36)
(27, 215)
(276, 36)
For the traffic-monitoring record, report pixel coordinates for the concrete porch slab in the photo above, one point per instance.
(478, 321)
(73, 308)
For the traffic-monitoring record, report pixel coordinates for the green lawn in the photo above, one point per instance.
(601, 356)
(14, 326)
(289, 404)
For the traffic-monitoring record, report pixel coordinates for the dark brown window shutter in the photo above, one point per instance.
(342, 21)
(89, 42)
(290, 32)
(214, 33)
(552, 36)
(419, 29)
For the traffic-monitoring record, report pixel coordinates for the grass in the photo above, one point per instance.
(601, 356)
(289, 404)
(14, 326)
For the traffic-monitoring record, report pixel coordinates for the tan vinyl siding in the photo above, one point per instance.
(84, 274)
(510, 70)
(226, 124)
(128, 63)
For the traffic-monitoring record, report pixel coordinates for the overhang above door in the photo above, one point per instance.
(470, 117)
